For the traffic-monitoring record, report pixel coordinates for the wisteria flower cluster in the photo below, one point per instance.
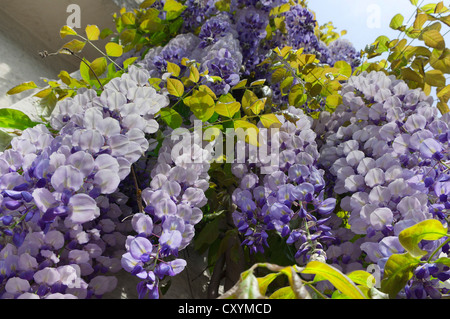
(173, 203)
(386, 151)
(60, 204)
(117, 178)
(290, 200)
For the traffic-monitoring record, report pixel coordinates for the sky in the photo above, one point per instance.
(364, 20)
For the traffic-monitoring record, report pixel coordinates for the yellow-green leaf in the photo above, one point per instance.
(173, 9)
(240, 85)
(194, 75)
(128, 18)
(227, 109)
(92, 32)
(278, 75)
(435, 78)
(15, 119)
(397, 22)
(258, 82)
(363, 278)
(443, 107)
(65, 77)
(411, 75)
(296, 95)
(146, 4)
(173, 68)
(113, 49)
(334, 100)
(344, 68)
(74, 45)
(336, 277)
(43, 93)
(434, 39)
(175, 87)
(251, 130)
(171, 117)
(128, 62)
(248, 99)
(99, 66)
(22, 87)
(283, 293)
(444, 93)
(397, 271)
(258, 106)
(201, 104)
(66, 30)
(430, 229)
(207, 90)
(269, 119)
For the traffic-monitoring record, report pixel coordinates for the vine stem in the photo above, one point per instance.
(45, 54)
(138, 190)
(101, 52)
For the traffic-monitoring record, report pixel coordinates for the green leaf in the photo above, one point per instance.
(66, 30)
(85, 71)
(113, 49)
(15, 119)
(171, 117)
(398, 270)
(227, 109)
(414, 2)
(434, 39)
(92, 32)
(175, 87)
(5, 140)
(397, 22)
(22, 87)
(336, 277)
(430, 229)
(129, 61)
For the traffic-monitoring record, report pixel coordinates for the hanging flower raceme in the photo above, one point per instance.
(60, 202)
(173, 203)
(289, 200)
